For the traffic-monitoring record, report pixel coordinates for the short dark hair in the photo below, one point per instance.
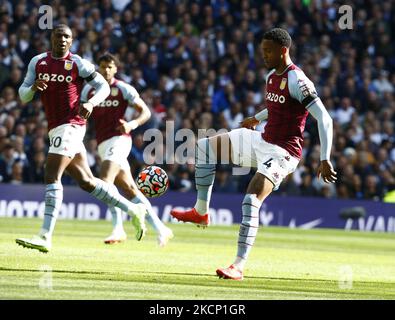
(61, 26)
(280, 36)
(108, 57)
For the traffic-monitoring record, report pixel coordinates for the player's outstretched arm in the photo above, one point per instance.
(303, 90)
(325, 131)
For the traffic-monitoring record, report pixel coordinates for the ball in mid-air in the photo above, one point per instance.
(153, 181)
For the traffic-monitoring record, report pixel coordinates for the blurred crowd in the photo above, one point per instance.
(197, 63)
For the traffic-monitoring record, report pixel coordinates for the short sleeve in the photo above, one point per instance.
(31, 71)
(129, 92)
(85, 68)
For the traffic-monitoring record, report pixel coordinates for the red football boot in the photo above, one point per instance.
(231, 272)
(191, 216)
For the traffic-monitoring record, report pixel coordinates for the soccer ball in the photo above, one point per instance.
(153, 181)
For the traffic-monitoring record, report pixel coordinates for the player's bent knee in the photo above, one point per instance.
(106, 178)
(87, 184)
(52, 175)
(49, 179)
(260, 186)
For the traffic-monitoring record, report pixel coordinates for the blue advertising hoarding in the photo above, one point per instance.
(294, 212)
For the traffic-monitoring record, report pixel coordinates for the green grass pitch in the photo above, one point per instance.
(284, 264)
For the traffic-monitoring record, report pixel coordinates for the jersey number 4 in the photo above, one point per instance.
(268, 163)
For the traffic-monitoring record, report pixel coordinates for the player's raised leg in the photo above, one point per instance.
(209, 152)
(259, 188)
(107, 193)
(55, 166)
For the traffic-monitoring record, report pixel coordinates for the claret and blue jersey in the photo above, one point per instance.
(288, 97)
(106, 115)
(65, 78)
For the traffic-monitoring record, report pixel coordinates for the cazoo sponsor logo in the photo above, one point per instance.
(275, 97)
(109, 103)
(53, 77)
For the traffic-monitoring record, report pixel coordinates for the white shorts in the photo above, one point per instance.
(67, 140)
(116, 149)
(250, 150)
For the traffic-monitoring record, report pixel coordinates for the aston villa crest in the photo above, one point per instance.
(283, 83)
(68, 65)
(114, 92)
